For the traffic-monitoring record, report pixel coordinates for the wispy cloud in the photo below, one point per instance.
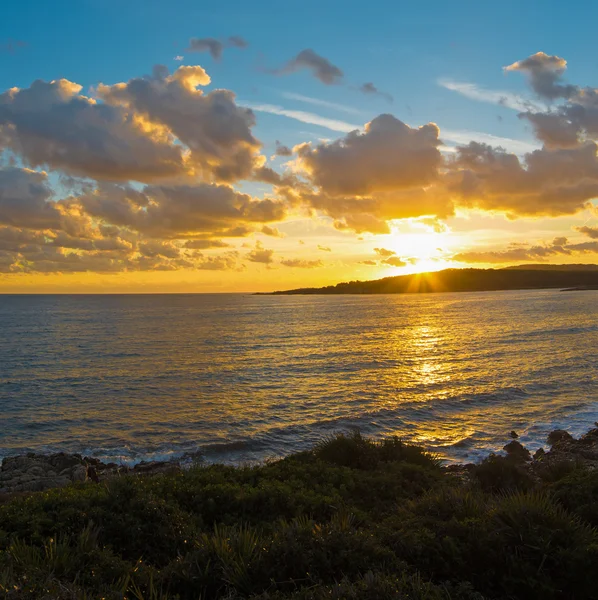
(463, 137)
(317, 102)
(499, 97)
(304, 117)
(458, 137)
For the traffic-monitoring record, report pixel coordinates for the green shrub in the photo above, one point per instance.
(502, 474)
(354, 518)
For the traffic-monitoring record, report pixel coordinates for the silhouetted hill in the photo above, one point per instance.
(543, 267)
(463, 280)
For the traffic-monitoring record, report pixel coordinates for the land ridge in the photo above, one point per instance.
(464, 280)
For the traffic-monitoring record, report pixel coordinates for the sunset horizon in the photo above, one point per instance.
(241, 163)
(298, 301)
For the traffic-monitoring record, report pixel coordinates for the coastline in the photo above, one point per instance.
(351, 519)
(33, 472)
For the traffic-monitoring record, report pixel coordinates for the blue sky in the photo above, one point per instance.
(431, 62)
(404, 48)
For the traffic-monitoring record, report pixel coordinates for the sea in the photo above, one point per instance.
(240, 379)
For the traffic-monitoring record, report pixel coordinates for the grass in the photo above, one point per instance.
(351, 519)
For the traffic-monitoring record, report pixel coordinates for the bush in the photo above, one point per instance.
(502, 474)
(354, 518)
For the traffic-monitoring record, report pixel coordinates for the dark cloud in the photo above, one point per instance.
(214, 46)
(324, 248)
(321, 68)
(545, 74)
(237, 41)
(371, 89)
(24, 196)
(591, 232)
(11, 46)
(282, 150)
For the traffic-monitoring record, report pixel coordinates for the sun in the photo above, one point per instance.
(418, 246)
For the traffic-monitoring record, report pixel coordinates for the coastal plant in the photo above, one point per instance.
(354, 518)
(501, 474)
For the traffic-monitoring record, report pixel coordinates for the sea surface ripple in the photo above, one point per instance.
(243, 378)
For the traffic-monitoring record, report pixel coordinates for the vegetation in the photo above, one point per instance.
(351, 519)
(468, 280)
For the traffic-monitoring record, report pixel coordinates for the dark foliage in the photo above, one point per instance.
(353, 519)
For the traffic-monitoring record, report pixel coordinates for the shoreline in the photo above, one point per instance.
(352, 518)
(34, 472)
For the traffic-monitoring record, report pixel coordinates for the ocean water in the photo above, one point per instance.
(243, 378)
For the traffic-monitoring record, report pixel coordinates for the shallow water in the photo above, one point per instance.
(245, 377)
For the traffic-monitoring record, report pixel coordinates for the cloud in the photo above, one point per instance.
(272, 231)
(53, 124)
(23, 200)
(178, 57)
(225, 262)
(548, 182)
(371, 89)
(236, 41)
(456, 136)
(260, 254)
(324, 248)
(591, 232)
(370, 263)
(499, 97)
(527, 253)
(388, 155)
(204, 244)
(304, 117)
(301, 263)
(394, 261)
(384, 253)
(180, 210)
(12, 46)
(461, 138)
(214, 46)
(318, 102)
(216, 130)
(545, 74)
(321, 68)
(282, 150)
(569, 124)
(367, 178)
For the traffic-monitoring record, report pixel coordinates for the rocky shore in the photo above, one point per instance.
(37, 472)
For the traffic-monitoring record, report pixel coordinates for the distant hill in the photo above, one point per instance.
(544, 267)
(466, 280)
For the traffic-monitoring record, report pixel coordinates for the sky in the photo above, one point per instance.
(153, 146)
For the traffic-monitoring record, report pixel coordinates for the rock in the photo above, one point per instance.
(37, 472)
(92, 474)
(513, 435)
(79, 473)
(517, 451)
(539, 454)
(558, 435)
